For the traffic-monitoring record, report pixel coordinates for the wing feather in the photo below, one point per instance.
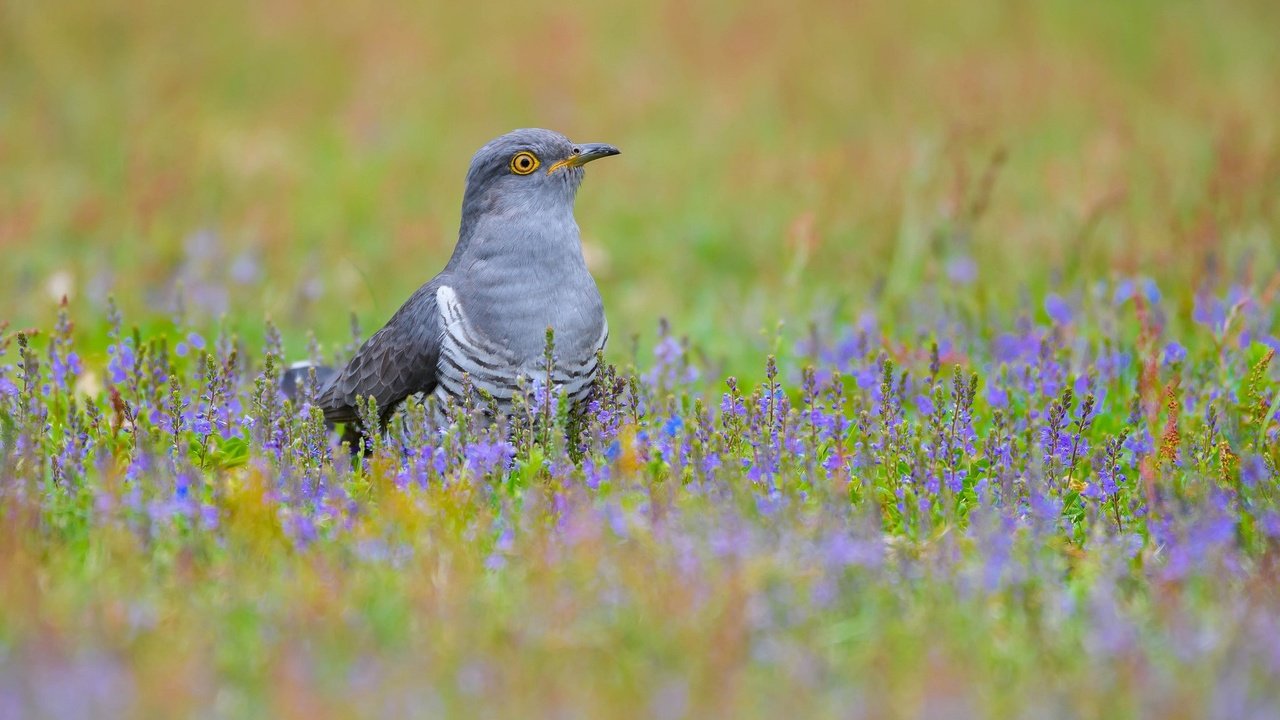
(394, 363)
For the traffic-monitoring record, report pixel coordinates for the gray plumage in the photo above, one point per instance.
(517, 269)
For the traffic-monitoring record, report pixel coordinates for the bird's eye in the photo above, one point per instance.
(523, 163)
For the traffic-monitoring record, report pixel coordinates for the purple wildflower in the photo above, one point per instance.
(1174, 353)
(1058, 310)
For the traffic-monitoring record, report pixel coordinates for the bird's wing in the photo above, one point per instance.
(396, 362)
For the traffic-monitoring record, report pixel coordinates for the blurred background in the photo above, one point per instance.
(783, 162)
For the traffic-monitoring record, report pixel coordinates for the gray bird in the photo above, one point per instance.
(517, 269)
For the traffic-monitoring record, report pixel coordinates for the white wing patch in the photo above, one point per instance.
(448, 306)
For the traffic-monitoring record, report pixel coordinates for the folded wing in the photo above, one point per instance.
(397, 361)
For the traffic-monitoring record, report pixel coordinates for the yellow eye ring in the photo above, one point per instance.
(525, 162)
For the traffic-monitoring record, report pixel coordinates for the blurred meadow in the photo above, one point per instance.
(965, 404)
(782, 160)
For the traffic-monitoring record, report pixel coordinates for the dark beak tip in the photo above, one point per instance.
(599, 150)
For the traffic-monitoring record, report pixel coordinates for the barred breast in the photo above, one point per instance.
(488, 366)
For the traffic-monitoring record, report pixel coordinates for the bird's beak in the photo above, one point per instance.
(583, 154)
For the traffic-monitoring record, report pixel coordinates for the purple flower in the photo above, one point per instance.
(1270, 522)
(996, 396)
(962, 270)
(544, 397)
(122, 361)
(1253, 470)
(1010, 347)
(1174, 353)
(670, 366)
(672, 426)
(711, 463)
(843, 550)
(668, 352)
(244, 269)
(209, 516)
(1125, 290)
(1210, 312)
(924, 404)
(60, 368)
(594, 474)
(732, 406)
(485, 456)
(498, 558)
(1109, 480)
(617, 520)
(1140, 444)
(302, 528)
(769, 503)
(1058, 310)
(1151, 291)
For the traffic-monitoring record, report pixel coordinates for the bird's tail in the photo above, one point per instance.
(296, 381)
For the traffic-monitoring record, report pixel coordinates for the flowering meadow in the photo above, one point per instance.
(965, 403)
(953, 519)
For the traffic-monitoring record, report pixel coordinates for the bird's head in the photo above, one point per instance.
(528, 170)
